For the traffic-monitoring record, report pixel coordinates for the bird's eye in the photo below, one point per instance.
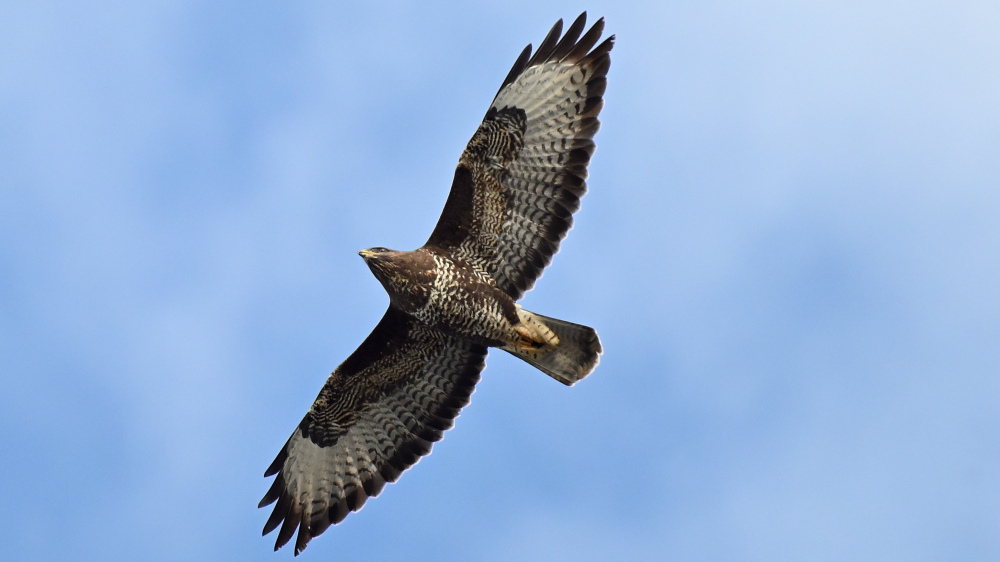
(379, 250)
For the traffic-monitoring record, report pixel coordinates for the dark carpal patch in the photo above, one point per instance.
(498, 139)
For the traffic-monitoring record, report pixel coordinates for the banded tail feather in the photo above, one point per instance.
(571, 355)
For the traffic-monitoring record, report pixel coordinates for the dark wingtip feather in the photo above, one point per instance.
(288, 527)
(304, 536)
(273, 493)
(278, 514)
(603, 49)
(568, 41)
(278, 461)
(547, 45)
(586, 42)
(517, 69)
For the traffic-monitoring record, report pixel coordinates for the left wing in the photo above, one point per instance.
(521, 177)
(377, 414)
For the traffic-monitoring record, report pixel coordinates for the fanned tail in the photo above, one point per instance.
(569, 353)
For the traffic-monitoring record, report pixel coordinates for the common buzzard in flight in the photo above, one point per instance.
(516, 187)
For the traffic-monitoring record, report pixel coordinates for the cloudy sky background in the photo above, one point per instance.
(790, 249)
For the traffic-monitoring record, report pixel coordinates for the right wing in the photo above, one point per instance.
(377, 414)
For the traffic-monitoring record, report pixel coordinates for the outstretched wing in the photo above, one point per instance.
(521, 177)
(377, 414)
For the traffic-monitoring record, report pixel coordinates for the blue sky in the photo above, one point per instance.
(790, 249)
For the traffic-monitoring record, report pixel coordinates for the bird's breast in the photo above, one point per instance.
(464, 303)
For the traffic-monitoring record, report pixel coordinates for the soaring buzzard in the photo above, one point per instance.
(516, 187)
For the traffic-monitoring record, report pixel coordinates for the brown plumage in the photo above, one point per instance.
(516, 187)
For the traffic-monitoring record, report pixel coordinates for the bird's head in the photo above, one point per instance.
(391, 267)
(382, 261)
(375, 252)
(405, 275)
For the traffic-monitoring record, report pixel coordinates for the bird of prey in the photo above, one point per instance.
(515, 189)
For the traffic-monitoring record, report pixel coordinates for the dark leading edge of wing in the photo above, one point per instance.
(521, 177)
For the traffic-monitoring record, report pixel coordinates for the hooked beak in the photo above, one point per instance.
(364, 254)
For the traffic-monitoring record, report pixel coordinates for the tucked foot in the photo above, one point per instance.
(534, 333)
(566, 357)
